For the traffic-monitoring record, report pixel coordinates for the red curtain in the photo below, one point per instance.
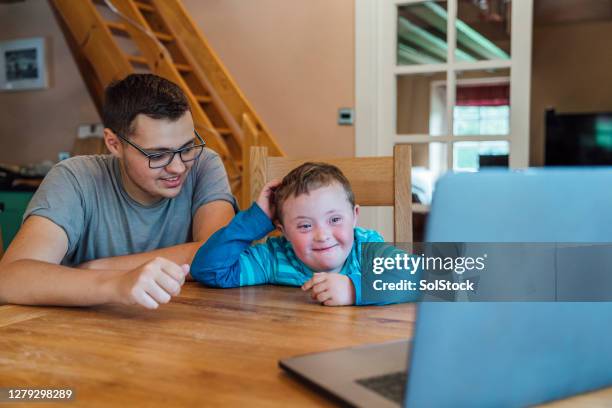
(483, 95)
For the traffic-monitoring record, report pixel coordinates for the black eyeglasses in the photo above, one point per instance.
(163, 159)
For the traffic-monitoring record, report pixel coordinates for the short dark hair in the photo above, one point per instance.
(145, 94)
(309, 176)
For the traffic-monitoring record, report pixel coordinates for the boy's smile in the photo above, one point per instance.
(320, 226)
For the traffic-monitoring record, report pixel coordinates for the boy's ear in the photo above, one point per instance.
(279, 226)
(113, 143)
(355, 215)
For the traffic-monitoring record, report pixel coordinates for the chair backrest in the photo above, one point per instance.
(376, 181)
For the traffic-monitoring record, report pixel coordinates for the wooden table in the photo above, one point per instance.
(208, 347)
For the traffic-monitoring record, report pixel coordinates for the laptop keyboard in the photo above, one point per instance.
(390, 386)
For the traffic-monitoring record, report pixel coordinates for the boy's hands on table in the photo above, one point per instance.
(331, 289)
(149, 285)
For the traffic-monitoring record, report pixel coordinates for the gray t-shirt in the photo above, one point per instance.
(84, 195)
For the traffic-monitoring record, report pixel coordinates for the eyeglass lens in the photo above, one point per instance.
(163, 159)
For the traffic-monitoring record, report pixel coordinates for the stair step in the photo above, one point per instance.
(224, 131)
(117, 27)
(139, 4)
(203, 98)
(183, 67)
(121, 29)
(144, 7)
(137, 59)
(163, 37)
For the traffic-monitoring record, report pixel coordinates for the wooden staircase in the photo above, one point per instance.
(110, 39)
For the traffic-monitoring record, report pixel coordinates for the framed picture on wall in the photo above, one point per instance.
(23, 64)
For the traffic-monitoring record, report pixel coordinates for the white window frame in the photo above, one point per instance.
(437, 102)
(375, 88)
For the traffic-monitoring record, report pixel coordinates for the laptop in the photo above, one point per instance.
(494, 353)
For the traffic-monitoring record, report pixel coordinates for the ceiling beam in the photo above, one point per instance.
(467, 37)
(408, 55)
(413, 34)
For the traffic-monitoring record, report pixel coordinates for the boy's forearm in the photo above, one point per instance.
(216, 262)
(31, 282)
(179, 254)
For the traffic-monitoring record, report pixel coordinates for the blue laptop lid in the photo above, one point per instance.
(535, 205)
(521, 353)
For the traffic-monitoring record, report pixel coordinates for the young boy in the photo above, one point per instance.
(314, 207)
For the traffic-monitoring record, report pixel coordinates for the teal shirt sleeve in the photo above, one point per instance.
(257, 265)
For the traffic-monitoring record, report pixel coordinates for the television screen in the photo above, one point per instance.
(578, 139)
(493, 160)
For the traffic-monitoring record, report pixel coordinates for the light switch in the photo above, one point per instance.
(346, 116)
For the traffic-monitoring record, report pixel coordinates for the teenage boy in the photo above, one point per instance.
(122, 228)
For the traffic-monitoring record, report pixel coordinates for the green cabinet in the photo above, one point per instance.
(12, 206)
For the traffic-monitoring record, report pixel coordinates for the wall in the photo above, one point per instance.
(36, 125)
(572, 72)
(293, 60)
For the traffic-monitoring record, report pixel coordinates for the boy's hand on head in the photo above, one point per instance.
(331, 289)
(265, 201)
(151, 284)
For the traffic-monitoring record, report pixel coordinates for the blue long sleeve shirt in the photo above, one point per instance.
(228, 260)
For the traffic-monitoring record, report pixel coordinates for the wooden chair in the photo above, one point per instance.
(376, 181)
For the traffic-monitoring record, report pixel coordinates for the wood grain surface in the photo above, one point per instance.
(208, 347)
